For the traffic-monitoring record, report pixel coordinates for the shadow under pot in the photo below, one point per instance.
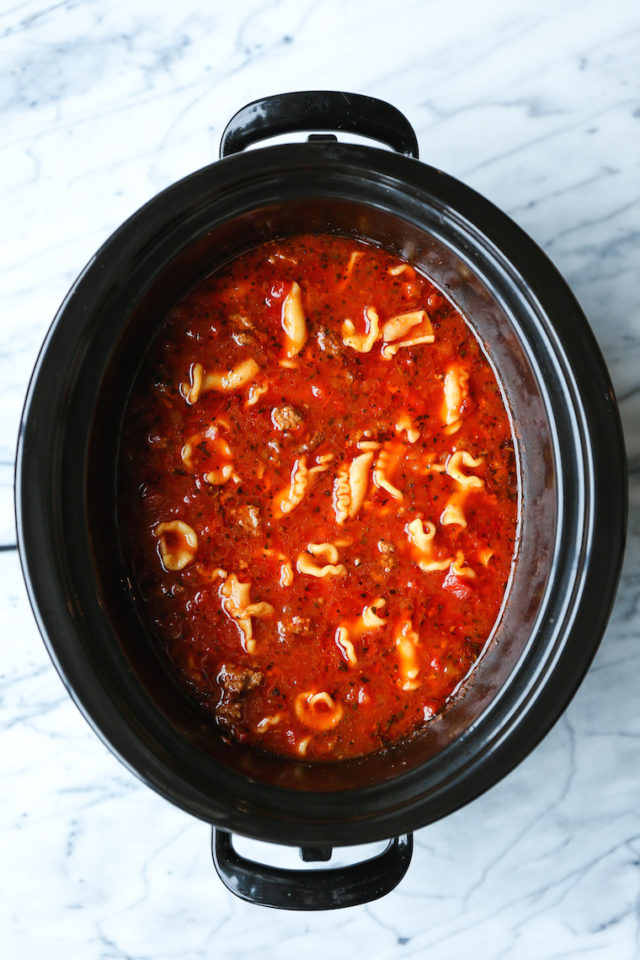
(571, 469)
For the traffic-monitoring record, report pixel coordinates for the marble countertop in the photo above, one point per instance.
(537, 106)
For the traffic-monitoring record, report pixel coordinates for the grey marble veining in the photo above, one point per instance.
(537, 106)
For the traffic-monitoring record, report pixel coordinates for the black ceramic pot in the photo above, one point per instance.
(570, 460)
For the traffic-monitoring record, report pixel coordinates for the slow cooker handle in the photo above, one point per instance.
(311, 889)
(319, 110)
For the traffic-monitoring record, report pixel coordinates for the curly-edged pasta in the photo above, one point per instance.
(484, 556)
(453, 512)
(214, 452)
(294, 322)
(396, 327)
(233, 379)
(346, 646)
(404, 424)
(361, 342)
(384, 465)
(353, 259)
(286, 568)
(358, 481)
(454, 468)
(177, 542)
(350, 486)
(389, 350)
(306, 565)
(186, 452)
(370, 618)
(318, 711)
(293, 495)
(406, 641)
(460, 567)
(342, 494)
(236, 596)
(399, 326)
(223, 381)
(236, 604)
(327, 550)
(223, 470)
(422, 536)
(220, 475)
(263, 725)
(256, 390)
(456, 391)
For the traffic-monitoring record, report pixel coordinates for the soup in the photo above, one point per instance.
(319, 498)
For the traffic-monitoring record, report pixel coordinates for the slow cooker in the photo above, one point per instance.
(571, 467)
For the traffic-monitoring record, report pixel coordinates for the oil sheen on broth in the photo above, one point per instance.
(318, 496)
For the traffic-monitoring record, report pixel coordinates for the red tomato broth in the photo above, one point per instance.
(338, 393)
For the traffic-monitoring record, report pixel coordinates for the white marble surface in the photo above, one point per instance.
(537, 105)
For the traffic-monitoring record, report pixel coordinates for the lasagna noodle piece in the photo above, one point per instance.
(405, 424)
(226, 381)
(406, 641)
(322, 463)
(272, 721)
(361, 342)
(369, 617)
(359, 481)
(346, 276)
(294, 322)
(350, 486)
(399, 326)
(178, 543)
(217, 448)
(307, 565)
(346, 646)
(385, 463)
(456, 390)
(327, 550)
(286, 574)
(367, 621)
(460, 567)
(186, 453)
(453, 511)
(224, 470)
(317, 711)
(293, 495)
(256, 390)
(418, 321)
(422, 537)
(236, 604)
(454, 468)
